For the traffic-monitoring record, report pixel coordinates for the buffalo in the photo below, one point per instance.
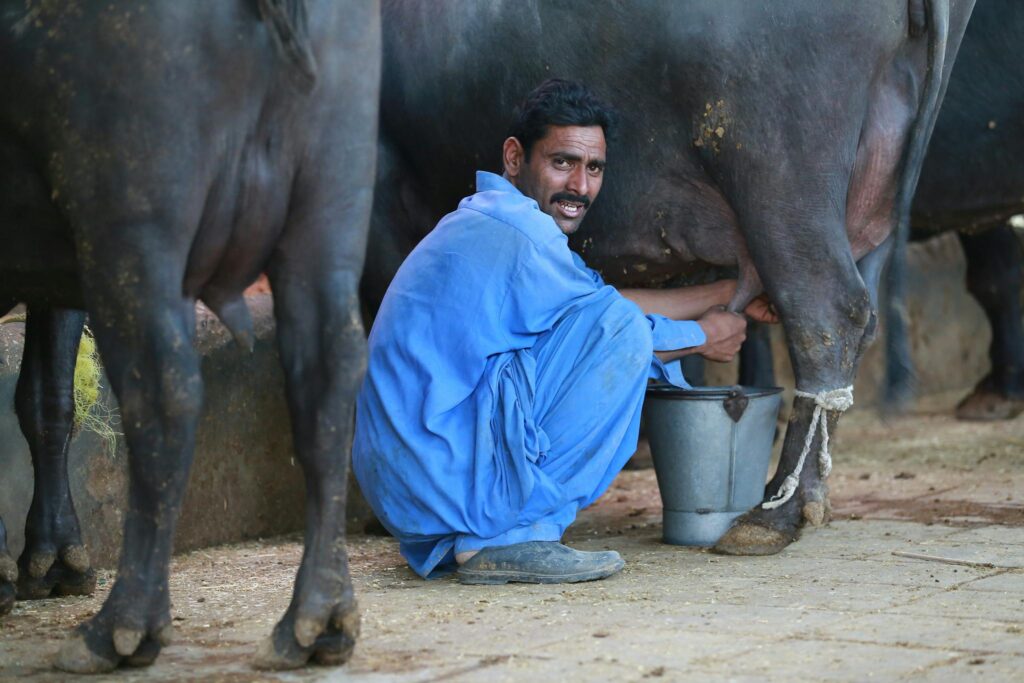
(777, 142)
(972, 182)
(154, 154)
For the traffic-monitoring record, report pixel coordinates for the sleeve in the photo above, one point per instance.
(670, 335)
(671, 372)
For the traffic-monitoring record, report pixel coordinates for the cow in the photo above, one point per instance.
(778, 142)
(154, 154)
(972, 181)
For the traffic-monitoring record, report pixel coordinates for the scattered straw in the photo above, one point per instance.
(90, 413)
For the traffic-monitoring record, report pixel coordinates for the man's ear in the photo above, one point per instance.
(514, 156)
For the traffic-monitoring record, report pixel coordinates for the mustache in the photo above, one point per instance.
(569, 197)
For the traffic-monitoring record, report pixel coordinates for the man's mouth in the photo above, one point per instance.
(570, 207)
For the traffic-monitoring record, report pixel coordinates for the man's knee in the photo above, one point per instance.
(632, 345)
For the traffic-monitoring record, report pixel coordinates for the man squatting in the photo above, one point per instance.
(505, 378)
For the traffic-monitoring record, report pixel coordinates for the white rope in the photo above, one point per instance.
(836, 399)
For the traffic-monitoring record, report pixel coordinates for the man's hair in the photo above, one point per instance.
(558, 102)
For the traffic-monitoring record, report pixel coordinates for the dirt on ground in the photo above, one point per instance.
(922, 481)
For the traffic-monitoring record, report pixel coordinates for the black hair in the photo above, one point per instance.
(559, 102)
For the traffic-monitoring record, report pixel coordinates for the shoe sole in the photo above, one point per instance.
(497, 578)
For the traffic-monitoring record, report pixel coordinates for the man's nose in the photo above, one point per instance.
(578, 181)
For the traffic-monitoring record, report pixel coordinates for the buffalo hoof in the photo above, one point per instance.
(294, 642)
(8, 577)
(83, 653)
(77, 657)
(987, 405)
(45, 574)
(767, 532)
(746, 538)
(105, 642)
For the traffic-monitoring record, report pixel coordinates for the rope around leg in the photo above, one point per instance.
(836, 399)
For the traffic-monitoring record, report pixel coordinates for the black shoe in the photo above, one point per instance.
(538, 562)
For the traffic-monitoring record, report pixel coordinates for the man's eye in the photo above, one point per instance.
(562, 163)
(595, 169)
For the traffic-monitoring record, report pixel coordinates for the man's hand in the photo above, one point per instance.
(760, 310)
(725, 333)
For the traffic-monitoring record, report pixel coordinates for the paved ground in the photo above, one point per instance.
(838, 605)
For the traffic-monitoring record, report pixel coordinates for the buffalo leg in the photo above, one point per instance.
(8, 574)
(54, 559)
(900, 376)
(994, 279)
(694, 370)
(145, 334)
(314, 274)
(826, 312)
(323, 350)
(757, 368)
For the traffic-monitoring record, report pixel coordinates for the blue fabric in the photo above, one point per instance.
(504, 383)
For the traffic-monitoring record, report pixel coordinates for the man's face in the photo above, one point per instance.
(564, 173)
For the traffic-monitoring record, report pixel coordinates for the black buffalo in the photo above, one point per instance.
(972, 182)
(777, 141)
(154, 154)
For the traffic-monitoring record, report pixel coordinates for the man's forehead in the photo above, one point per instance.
(589, 139)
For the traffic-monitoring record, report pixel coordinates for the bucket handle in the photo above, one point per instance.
(735, 403)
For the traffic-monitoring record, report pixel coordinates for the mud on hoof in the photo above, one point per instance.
(767, 532)
(294, 642)
(753, 537)
(987, 404)
(97, 646)
(45, 574)
(8, 577)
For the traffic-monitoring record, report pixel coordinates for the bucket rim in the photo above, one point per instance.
(674, 393)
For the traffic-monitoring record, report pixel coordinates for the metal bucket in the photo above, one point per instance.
(711, 448)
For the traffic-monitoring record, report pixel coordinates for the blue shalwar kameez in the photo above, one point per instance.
(504, 383)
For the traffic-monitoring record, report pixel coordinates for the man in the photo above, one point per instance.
(505, 379)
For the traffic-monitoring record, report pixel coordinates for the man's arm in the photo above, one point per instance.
(724, 331)
(682, 303)
(688, 303)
